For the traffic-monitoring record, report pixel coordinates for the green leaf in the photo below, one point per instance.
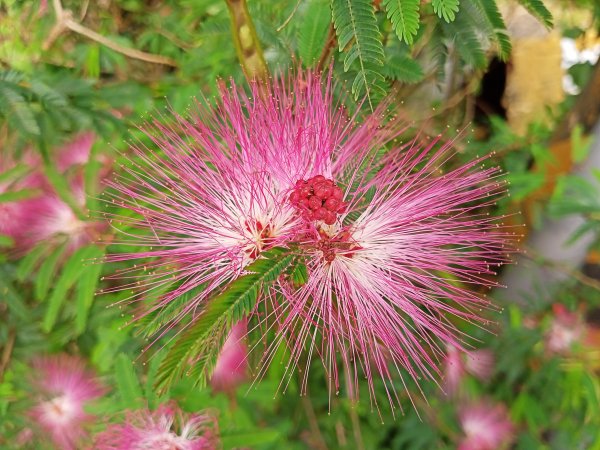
(48, 97)
(13, 196)
(28, 262)
(250, 438)
(312, 32)
(539, 11)
(14, 173)
(580, 144)
(17, 110)
(404, 15)
(201, 342)
(86, 289)
(359, 37)
(6, 241)
(403, 68)
(446, 9)
(495, 25)
(128, 384)
(159, 317)
(465, 34)
(46, 271)
(72, 270)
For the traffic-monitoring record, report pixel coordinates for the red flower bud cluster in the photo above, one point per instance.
(318, 198)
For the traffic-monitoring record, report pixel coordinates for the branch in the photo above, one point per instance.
(64, 20)
(246, 41)
(7, 352)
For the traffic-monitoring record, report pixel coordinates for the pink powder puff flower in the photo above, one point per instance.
(457, 364)
(486, 426)
(45, 216)
(232, 363)
(65, 387)
(392, 240)
(166, 428)
(566, 329)
(56, 221)
(76, 152)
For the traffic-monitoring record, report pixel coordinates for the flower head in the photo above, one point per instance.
(64, 387)
(566, 329)
(167, 428)
(391, 235)
(457, 364)
(486, 426)
(44, 216)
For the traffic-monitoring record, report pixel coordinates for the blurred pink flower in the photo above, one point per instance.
(232, 364)
(167, 428)
(45, 216)
(486, 426)
(76, 152)
(64, 387)
(55, 220)
(566, 329)
(457, 364)
(16, 216)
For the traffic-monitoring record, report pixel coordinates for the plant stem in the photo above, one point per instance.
(64, 20)
(246, 41)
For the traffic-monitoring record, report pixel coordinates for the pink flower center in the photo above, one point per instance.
(263, 238)
(318, 198)
(341, 244)
(59, 410)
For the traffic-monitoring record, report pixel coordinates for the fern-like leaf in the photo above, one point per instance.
(495, 24)
(199, 345)
(312, 32)
(464, 33)
(537, 9)
(404, 15)
(359, 37)
(403, 68)
(17, 110)
(446, 9)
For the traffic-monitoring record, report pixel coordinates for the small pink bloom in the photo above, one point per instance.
(486, 426)
(457, 364)
(55, 220)
(566, 329)
(232, 363)
(167, 428)
(76, 152)
(65, 387)
(25, 437)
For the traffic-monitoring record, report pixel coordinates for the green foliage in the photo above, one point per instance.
(128, 385)
(446, 9)
(404, 15)
(48, 105)
(537, 8)
(202, 340)
(85, 259)
(403, 68)
(464, 34)
(360, 39)
(312, 32)
(493, 22)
